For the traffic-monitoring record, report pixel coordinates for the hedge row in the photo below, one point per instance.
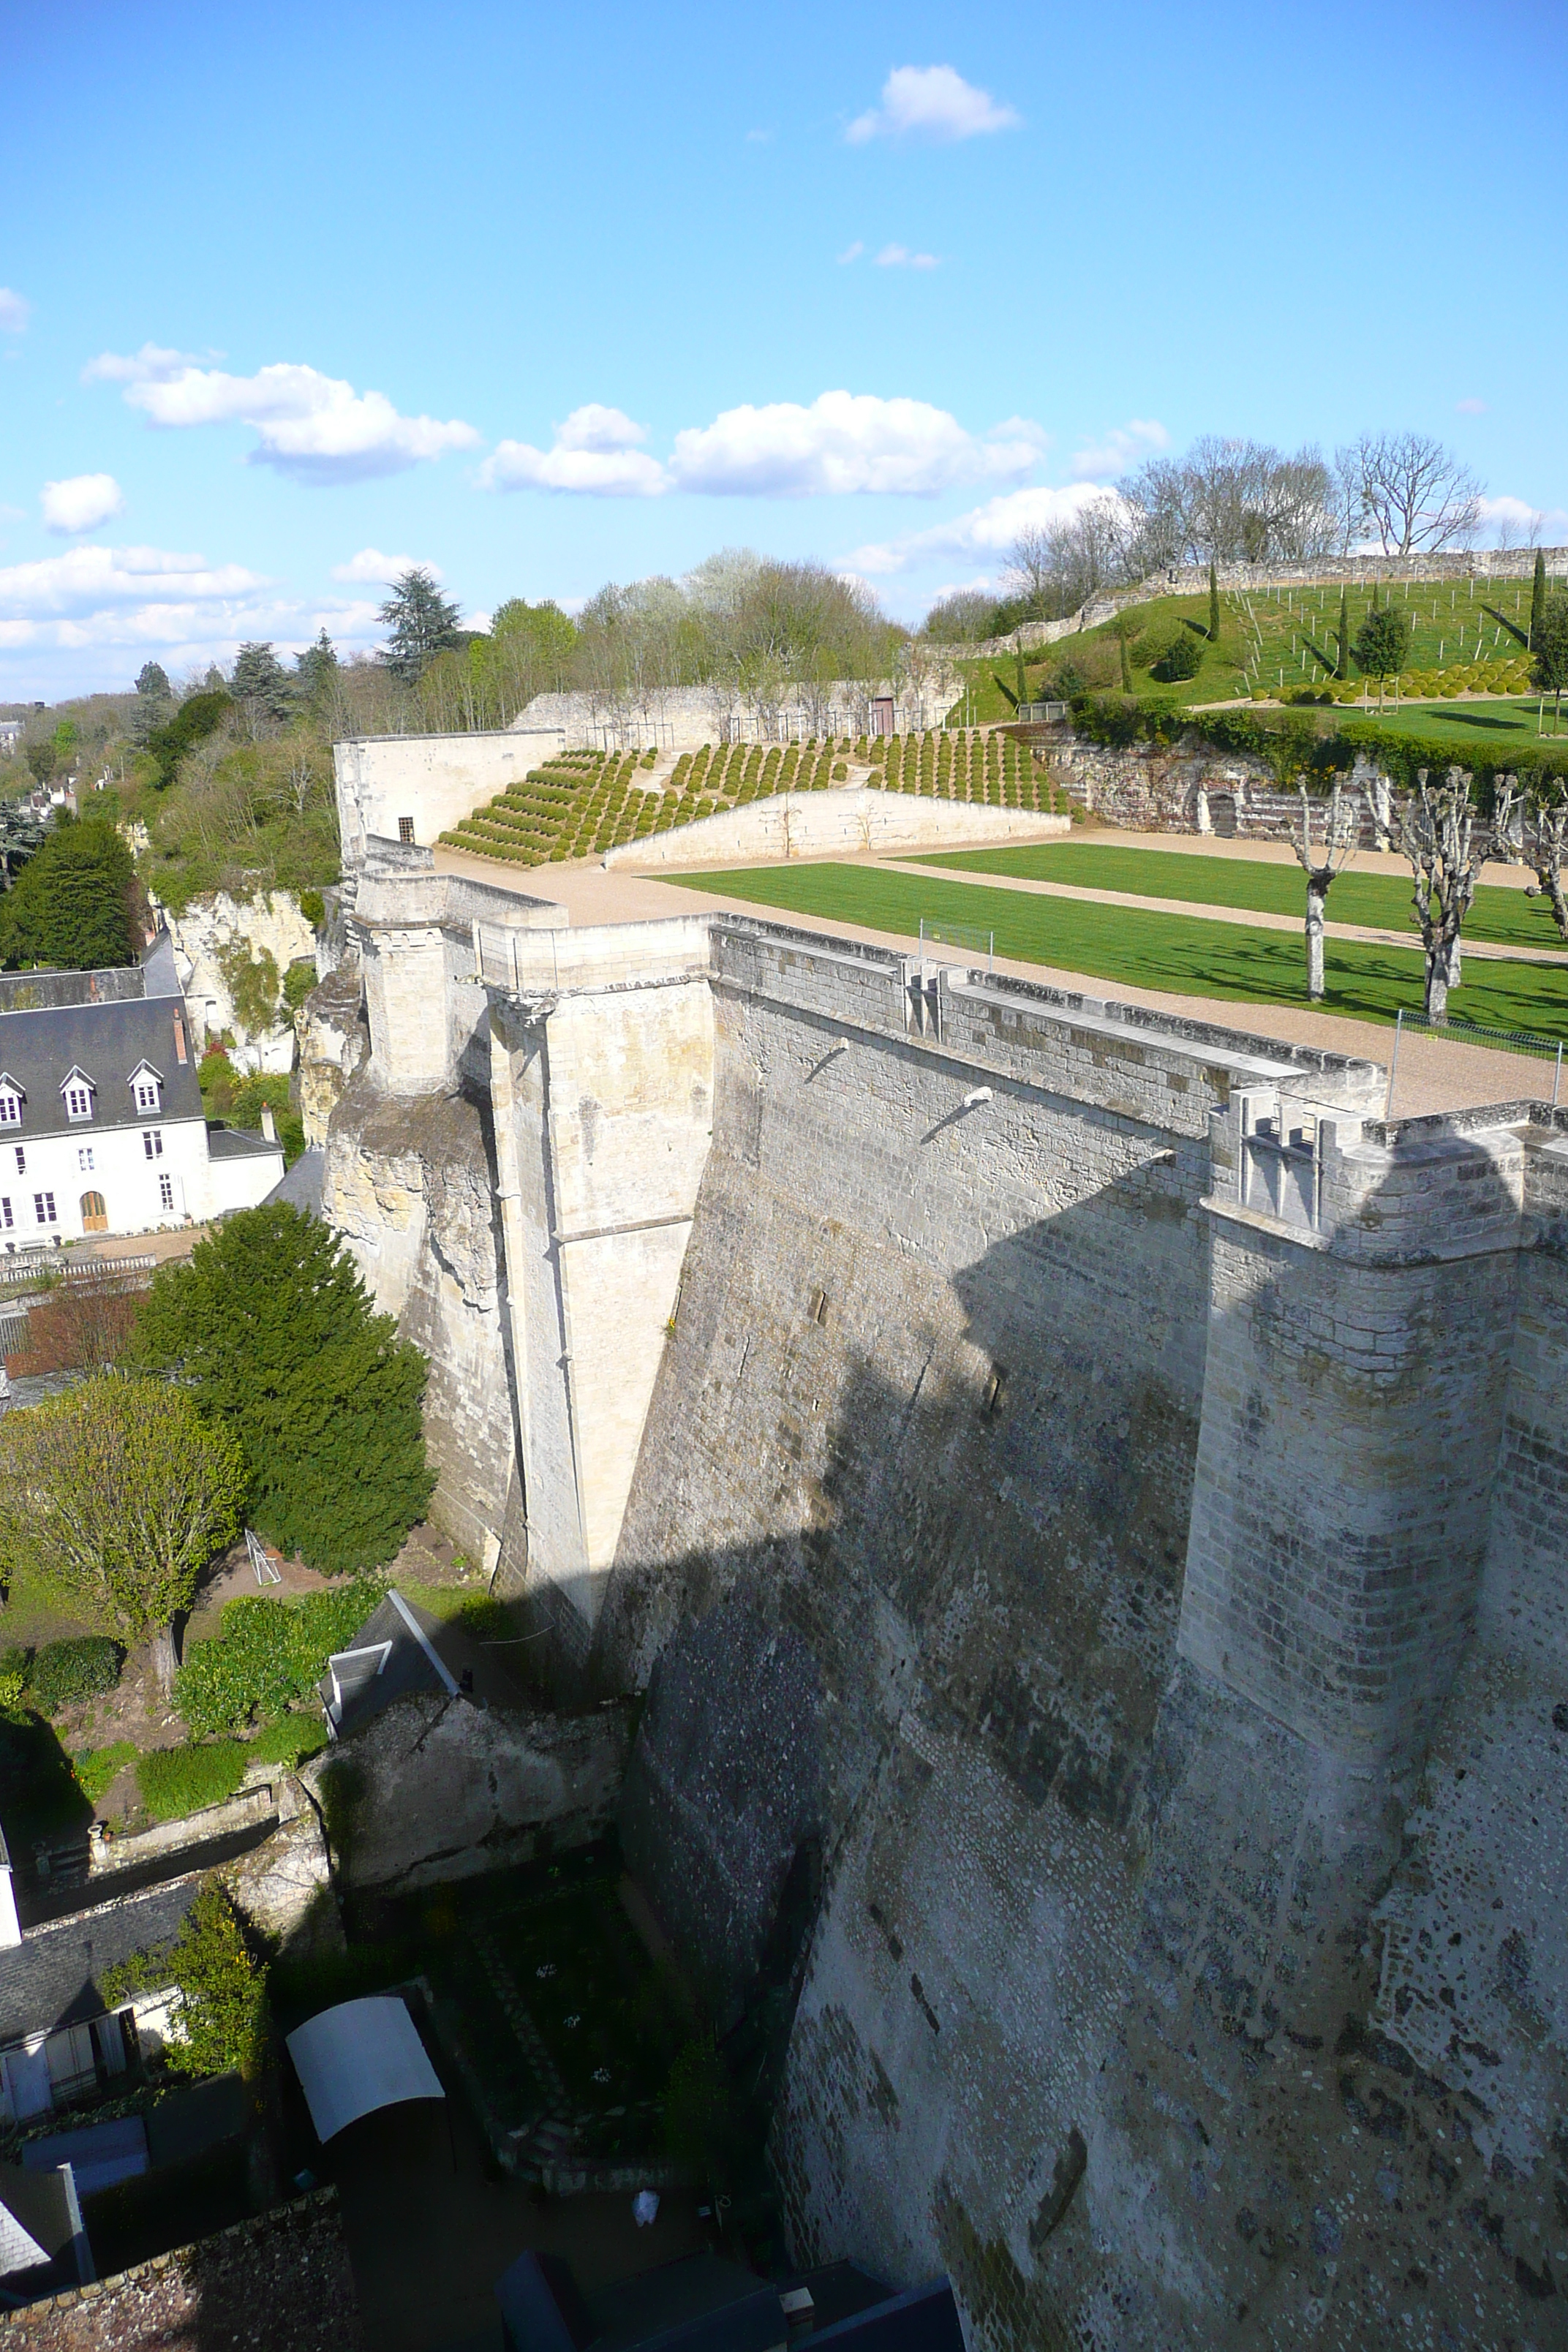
(1295, 745)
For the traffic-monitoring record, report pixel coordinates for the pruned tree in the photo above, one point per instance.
(1440, 835)
(1382, 646)
(1535, 819)
(1323, 865)
(1411, 491)
(118, 1494)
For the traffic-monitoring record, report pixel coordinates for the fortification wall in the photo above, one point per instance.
(837, 822)
(428, 782)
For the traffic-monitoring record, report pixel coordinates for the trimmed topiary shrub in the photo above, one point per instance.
(288, 1741)
(64, 1671)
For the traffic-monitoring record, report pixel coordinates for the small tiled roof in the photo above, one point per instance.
(51, 1978)
(107, 1042)
(239, 1143)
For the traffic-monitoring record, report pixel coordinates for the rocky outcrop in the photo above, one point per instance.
(409, 1186)
(216, 941)
(438, 1788)
(333, 1043)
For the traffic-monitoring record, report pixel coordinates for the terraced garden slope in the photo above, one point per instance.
(586, 803)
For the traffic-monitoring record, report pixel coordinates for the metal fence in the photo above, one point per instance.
(53, 1266)
(1470, 1033)
(965, 941)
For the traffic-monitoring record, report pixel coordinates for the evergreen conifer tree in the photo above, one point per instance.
(420, 624)
(73, 906)
(1343, 666)
(1537, 596)
(153, 682)
(1214, 607)
(269, 1324)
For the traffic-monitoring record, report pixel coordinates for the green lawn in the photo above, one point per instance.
(1183, 955)
(1486, 729)
(1506, 917)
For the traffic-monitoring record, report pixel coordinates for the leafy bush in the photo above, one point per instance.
(313, 907)
(96, 1767)
(1181, 657)
(289, 1740)
(223, 1991)
(63, 1672)
(13, 1678)
(297, 983)
(267, 1655)
(175, 1781)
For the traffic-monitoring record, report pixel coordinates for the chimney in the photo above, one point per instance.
(269, 1124)
(180, 1053)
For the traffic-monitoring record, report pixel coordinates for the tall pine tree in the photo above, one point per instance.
(420, 622)
(1537, 596)
(1214, 607)
(73, 906)
(1342, 668)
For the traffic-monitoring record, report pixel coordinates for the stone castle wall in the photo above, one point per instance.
(1098, 1602)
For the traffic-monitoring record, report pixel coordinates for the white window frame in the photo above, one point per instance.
(147, 1091)
(43, 1211)
(152, 1142)
(84, 1160)
(10, 1107)
(166, 1193)
(21, 1162)
(6, 1220)
(77, 1089)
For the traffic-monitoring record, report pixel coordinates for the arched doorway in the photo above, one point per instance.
(94, 1213)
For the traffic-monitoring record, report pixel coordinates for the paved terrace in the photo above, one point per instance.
(1434, 1075)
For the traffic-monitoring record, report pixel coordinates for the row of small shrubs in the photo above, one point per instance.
(59, 1674)
(267, 1655)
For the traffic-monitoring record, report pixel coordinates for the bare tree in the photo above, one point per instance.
(1412, 491)
(1536, 819)
(1439, 833)
(1341, 837)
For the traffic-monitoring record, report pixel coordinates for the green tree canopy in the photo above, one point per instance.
(269, 1324)
(72, 908)
(153, 682)
(199, 716)
(261, 683)
(420, 622)
(315, 667)
(118, 1494)
(41, 757)
(1383, 643)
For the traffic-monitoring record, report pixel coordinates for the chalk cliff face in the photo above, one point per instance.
(209, 938)
(408, 1184)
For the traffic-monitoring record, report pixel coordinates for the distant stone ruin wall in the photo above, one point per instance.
(675, 716)
(846, 820)
(1197, 788)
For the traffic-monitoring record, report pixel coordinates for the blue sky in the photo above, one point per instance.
(548, 297)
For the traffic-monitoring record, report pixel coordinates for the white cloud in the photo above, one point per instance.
(378, 570)
(851, 253)
(1470, 408)
(15, 312)
(88, 577)
(984, 530)
(1514, 522)
(759, 138)
(932, 102)
(898, 256)
(844, 442)
(81, 502)
(314, 427)
(1123, 446)
(594, 452)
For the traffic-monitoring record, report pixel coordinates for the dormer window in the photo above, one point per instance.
(147, 1088)
(78, 1090)
(12, 1097)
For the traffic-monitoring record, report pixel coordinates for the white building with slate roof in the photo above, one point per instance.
(102, 1128)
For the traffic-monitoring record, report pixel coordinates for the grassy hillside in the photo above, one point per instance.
(1267, 645)
(1185, 955)
(586, 803)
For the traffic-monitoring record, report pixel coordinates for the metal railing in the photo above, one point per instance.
(1041, 714)
(1470, 1033)
(53, 1266)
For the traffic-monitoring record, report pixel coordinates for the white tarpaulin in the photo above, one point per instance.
(362, 2056)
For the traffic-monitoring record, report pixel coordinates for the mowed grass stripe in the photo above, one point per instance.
(1379, 901)
(1182, 954)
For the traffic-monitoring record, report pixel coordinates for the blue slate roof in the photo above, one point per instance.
(51, 1978)
(109, 1043)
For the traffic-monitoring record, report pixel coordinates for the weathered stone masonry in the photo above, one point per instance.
(1109, 1549)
